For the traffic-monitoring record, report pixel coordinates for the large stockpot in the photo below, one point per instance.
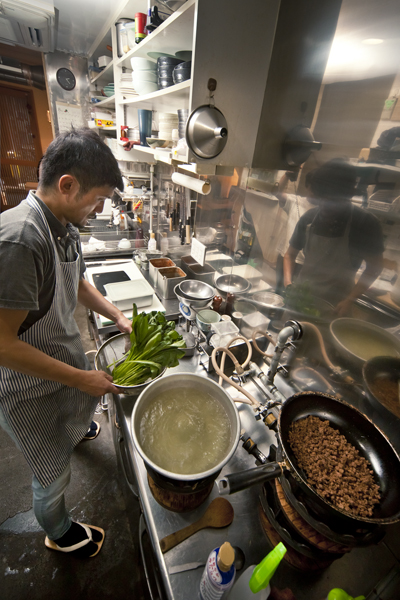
(362, 331)
(358, 430)
(176, 481)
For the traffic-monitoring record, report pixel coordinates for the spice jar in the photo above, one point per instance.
(230, 299)
(216, 304)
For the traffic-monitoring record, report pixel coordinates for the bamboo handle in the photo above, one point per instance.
(171, 540)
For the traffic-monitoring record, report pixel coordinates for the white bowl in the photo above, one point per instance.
(145, 87)
(142, 63)
(144, 76)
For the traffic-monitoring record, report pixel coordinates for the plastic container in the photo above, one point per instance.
(219, 573)
(253, 584)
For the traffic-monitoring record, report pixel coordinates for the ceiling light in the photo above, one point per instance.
(372, 41)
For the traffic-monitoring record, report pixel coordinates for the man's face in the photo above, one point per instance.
(86, 206)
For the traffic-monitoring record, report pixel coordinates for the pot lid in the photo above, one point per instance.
(206, 132)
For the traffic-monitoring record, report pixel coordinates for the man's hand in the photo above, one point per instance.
(96, 383)
(128, 146)
(123, 324)
(344, 307)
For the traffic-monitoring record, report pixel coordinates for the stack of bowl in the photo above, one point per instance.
(182, 72)
(192, 296)
(183, 115)
(166, 123)
(144, 76)
(165, 67)
(108, 90)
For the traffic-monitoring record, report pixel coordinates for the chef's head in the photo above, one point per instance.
(79, 167)
(333, 185)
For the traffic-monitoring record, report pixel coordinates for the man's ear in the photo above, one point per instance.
(68, 185)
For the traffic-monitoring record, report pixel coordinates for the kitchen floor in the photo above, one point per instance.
(28, 569)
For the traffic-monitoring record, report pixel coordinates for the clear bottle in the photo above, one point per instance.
(152, 245)
(164, 244)
(253, 584)
(219, 573)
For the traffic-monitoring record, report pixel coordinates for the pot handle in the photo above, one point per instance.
(236, 482)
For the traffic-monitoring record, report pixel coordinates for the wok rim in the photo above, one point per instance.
(297, 474)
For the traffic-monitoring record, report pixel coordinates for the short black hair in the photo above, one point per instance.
(81, 153)
(335, 180)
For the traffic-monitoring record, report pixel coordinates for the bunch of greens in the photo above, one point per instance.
(299, 298)
(154, 345)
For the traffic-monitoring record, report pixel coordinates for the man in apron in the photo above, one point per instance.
(48, 393)
(336, 237)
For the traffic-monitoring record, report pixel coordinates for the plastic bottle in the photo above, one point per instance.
(152, 245)
(339, 594)
(219, 573)
(254, 582)
(164, 244)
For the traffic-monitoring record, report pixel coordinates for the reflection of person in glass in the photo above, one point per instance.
(335, 237)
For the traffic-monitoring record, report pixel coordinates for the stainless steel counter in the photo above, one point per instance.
(358, 572)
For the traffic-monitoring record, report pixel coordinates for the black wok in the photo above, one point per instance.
(357, 429)
(378, 370)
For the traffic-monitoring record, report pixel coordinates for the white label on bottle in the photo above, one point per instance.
(211, 586)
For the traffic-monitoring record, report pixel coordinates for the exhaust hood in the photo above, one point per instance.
(28, 23)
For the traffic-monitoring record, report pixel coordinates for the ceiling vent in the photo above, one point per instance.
(28, 23)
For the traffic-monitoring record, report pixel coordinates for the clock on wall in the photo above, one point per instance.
(66, 79)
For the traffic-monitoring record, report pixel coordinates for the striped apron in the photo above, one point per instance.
(48, 418)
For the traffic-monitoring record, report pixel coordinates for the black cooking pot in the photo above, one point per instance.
(358, 430)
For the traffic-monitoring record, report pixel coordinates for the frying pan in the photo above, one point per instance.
(376, 370)
(358, 430)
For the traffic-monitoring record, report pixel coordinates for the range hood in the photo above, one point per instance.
(28, 23)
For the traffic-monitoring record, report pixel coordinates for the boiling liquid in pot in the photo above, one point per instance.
(185, 431)
(366, 344)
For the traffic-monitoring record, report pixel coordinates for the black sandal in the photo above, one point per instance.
(93, 431)
(86, 548)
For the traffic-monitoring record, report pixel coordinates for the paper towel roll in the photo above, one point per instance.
(197, 185)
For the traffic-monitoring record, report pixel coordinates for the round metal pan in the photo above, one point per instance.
(380, 369)
(358, 430)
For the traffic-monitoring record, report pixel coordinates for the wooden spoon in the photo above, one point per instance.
(218, 514)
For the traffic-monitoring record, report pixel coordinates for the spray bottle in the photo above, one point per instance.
(253, 584)
(338, 594)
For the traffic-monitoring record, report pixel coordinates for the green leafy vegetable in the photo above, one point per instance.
(299, 297)
(154, 345)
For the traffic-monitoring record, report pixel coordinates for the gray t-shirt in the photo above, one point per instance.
(27, 262)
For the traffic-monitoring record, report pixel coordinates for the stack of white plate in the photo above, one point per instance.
(144, 76)
(167, 122)
(126, 85)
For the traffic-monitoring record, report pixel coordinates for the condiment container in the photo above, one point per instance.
(158, 263)
(219, 573)
(167, 279)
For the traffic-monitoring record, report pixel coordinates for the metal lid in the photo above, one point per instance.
(206, 132)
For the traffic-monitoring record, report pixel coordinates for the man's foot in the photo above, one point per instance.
(93, 431)
(81, 541)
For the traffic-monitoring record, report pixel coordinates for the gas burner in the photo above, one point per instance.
(177, 501)
(273, 511)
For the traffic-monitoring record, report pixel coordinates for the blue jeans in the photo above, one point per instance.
(49, 502)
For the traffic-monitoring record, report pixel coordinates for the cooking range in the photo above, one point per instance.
(324, 549)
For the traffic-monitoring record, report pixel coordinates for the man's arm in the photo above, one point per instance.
(24, 358)
(289, 261)
(373, 268)
(91, 298)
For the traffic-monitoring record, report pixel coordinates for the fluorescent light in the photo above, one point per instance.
(372, 41)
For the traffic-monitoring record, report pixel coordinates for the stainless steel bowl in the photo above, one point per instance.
(112, 351)
(189, 301)
(233, 284)
(196, 290)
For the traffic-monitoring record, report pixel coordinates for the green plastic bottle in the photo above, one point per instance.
(253, 584)
(338, 594)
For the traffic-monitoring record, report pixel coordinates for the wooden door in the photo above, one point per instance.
(20, 144)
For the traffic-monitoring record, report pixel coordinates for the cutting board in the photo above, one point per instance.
(101, 279)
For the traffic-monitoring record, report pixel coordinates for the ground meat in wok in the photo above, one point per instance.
(334, 467)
